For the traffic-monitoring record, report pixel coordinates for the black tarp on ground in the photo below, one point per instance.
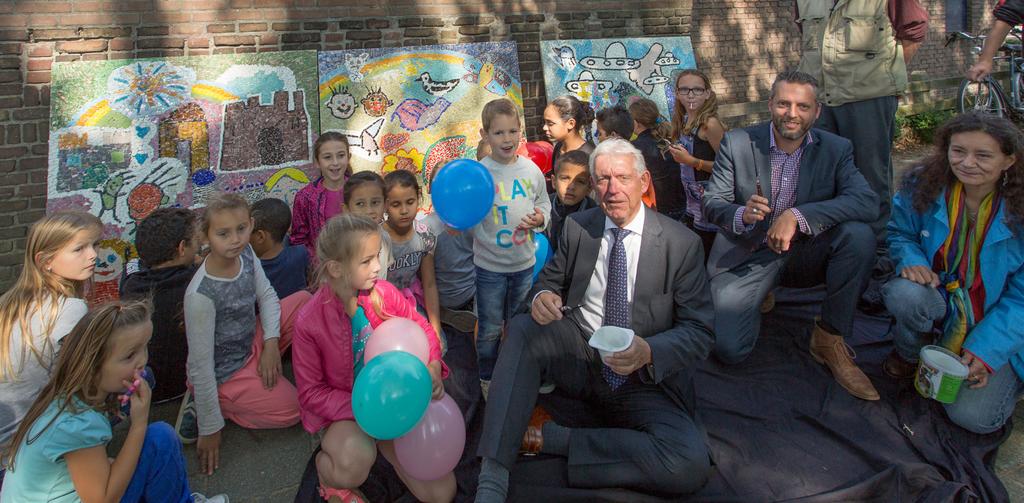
(780, 429)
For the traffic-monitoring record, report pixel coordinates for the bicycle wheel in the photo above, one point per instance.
(979, 96)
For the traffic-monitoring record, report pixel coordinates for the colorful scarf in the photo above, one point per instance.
(960, 272)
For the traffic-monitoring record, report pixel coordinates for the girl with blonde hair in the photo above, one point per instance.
(330, 338)
(41, 308)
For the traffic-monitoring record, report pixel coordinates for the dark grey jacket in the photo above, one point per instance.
(830, 190)
(672, 307)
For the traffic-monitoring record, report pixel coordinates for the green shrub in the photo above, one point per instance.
(922, 126)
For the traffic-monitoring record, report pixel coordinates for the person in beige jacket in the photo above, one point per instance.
(858, 50)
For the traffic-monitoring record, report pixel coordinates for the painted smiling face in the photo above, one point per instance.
(109, 264)
(342, 104)
(376, 103)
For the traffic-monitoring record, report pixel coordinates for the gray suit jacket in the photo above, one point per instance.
(830, 189)
(671, 308)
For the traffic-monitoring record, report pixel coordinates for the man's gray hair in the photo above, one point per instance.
(617, 146)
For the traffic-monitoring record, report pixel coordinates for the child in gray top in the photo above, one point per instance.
(234, 361)
(453, 264)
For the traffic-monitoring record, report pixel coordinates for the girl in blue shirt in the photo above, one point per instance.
(59, 452)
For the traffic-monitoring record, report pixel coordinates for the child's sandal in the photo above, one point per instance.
(345, 495)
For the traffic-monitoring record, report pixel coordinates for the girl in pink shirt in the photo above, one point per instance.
(323, 198)
(330, 336)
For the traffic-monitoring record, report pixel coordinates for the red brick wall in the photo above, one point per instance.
(741, 43)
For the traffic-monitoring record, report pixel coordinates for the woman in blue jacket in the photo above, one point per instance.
(955, 237)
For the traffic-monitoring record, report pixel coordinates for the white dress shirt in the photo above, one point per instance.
(591, 313)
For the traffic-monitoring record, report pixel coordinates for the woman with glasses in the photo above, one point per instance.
(696, 126)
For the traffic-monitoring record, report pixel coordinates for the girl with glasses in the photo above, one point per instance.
(696, 125)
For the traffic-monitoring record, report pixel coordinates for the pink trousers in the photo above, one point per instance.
(244, 400)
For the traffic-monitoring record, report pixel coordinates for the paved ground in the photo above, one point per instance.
(256, 466)
(265, 466)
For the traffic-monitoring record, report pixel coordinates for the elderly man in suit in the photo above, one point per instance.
(625, 265)
(792, 208)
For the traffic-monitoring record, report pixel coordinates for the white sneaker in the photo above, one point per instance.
(219, 498)
(546, 388)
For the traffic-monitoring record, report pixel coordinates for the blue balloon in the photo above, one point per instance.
(462, 193)
(542, 255)
(391, 394)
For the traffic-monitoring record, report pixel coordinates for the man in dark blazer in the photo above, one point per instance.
(791, 208)
(646, 268)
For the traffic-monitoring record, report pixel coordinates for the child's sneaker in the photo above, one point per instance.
(485, 387)
(217, 498)
(462, 320)
(187, 424)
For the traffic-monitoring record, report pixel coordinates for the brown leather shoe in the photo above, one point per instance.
(768, 303)
(533, 439)
(832, 350)
(896, 367)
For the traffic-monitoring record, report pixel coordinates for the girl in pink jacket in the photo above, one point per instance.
(322, 198)
(327, 352)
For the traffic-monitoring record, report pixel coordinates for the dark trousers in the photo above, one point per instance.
(869, 125)
(646, 441)
(841, 257)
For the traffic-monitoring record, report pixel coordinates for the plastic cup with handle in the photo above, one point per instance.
(608, 340)
(939, 374)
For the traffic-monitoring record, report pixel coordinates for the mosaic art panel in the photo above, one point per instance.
(413, 107)
(129, 136)
(607, 72)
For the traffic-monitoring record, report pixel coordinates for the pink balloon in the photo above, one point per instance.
(398, 334)
(434, 446)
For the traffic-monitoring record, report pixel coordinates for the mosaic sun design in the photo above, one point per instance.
(149, 88)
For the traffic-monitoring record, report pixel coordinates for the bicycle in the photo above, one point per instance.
(988, 95)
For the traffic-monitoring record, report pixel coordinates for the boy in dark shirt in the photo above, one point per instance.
(167, 242)
(572, 191)
(287, 267)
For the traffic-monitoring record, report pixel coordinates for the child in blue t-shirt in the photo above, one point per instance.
(59, 452)
(286, 266)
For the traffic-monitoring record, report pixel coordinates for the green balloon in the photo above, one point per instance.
(391, 394)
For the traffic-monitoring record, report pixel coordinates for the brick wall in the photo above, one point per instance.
(741, 43)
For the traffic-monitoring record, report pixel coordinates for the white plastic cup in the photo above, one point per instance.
(608, 340)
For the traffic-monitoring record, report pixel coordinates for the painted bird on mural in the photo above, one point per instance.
(437, 87)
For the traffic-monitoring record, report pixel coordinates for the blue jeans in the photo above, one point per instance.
(160, 474)
(498, 296)
(916, 308)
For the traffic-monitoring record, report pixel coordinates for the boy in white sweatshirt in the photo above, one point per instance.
(503, 243)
